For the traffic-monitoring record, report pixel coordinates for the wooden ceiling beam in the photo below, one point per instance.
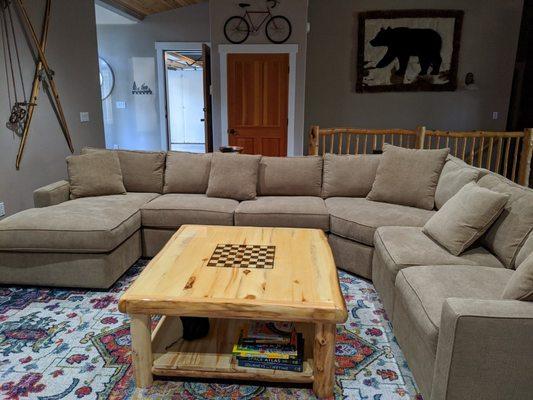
(140, 9)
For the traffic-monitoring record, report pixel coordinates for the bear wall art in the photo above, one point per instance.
(408, 50)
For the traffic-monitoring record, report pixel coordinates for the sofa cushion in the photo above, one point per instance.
(142, 171)
(455, 174)
(465, 217)
(349, 175)
(284, 211)
(174, 210)
(401, 246)
(423, 290)
(94, 174)
(290, 176)
(358, 218)
(86, 225)
(187, 172)
(520, 286)
(408, 176)
(233, 176)
(509, 232)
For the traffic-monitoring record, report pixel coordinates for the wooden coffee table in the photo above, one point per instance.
(294, 279)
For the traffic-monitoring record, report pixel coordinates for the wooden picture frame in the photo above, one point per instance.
(413, 50)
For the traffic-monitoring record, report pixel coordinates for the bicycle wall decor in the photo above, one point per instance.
(277, 29)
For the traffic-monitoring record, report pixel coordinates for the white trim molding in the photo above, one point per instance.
(224, 50)
(160, 48)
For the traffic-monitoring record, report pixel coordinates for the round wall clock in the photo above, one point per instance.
(107, 78)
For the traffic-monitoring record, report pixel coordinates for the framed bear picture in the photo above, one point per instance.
(408, 50)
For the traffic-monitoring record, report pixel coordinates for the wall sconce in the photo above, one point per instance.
(470, 84)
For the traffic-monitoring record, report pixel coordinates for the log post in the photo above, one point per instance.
(420, 137)
(324, 359)
(525, 157)
(313, 140)
(141, 349)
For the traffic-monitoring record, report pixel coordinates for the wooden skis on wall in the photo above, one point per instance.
(42, 70)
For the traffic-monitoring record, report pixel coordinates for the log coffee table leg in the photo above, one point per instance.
(141, 349)
(324, 360)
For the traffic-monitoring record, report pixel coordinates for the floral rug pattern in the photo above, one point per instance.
(75, 344)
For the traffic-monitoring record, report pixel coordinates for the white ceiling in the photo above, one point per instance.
(105, 16)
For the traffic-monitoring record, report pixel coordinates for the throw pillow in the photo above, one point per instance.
(233, 176)
(520, 286)
(95, 174)
(408, 176)
(187, 172)
(465, 217)
(349, 175)
(142, 171)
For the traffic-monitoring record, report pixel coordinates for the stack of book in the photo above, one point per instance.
(270, 345)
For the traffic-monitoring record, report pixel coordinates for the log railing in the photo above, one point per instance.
(506, 153)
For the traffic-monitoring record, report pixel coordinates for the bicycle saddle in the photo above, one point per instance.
(244, 5)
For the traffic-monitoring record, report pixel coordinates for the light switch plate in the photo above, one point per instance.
(121, 104)
(495, 115)
(84, 116)
(2, 209)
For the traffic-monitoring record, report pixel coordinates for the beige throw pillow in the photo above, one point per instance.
(520, 286)
(465, 217)
(95, 174)
(233, 176)
(142, 171)
(408, 176)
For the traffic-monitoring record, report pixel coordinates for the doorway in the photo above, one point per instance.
(185, 98)
(258, 87)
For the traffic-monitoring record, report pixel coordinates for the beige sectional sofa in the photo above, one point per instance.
(460, 339)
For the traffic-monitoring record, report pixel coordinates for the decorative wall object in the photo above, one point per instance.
(143, 89)
(408, 50)
(107, 78)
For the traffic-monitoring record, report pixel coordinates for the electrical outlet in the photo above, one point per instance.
(2, 209)
(495, 115)
(84, 116)
(115, 147)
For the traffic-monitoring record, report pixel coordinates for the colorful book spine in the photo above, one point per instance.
(270, 365)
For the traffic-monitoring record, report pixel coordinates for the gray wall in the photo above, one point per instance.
(488, 47)
(130, 51)
(296, 12)
(72, 54)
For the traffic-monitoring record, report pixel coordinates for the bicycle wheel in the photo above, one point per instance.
(278, 29)
(236, 29)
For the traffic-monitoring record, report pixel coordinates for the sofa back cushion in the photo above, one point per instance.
(142, 171)
(507, 235)
(290, 176)
(408, 176)
(187, 172)
(95, 174)
(455, 174)
(520, 286)
(465, 217)
(349, 175)
(233, 176)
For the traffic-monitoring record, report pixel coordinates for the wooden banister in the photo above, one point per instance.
(508, 153)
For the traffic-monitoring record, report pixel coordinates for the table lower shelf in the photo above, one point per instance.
(211, 357)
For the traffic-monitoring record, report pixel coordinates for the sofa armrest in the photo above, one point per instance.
(52, 194)
(484, 350)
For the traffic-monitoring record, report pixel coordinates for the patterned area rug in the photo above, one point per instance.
(74, 344)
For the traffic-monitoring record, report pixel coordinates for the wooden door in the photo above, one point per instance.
(208, 122)
(257, 102)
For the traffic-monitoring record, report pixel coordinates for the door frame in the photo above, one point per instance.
(224, 50)
(160, 48)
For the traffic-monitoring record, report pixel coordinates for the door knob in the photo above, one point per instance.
(232, 131)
